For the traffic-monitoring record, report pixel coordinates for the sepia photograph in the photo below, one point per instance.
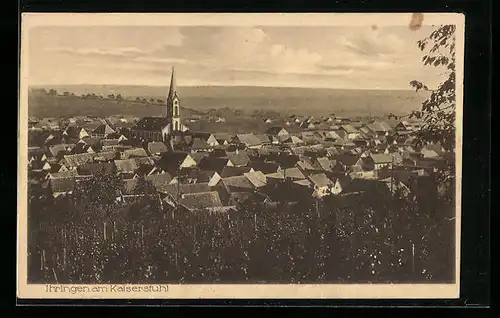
(240, 155)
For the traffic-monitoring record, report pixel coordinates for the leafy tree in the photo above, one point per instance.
(438, 110)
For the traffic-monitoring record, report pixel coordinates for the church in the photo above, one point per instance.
(162, 128)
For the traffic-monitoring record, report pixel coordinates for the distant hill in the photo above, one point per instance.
(302, 101)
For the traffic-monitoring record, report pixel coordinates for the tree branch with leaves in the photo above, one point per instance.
(439, 109)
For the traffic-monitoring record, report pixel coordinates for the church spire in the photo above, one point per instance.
(173, 89)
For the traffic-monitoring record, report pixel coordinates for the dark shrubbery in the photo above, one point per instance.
(90, 238)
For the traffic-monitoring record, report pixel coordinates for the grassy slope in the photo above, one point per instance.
(305, 101)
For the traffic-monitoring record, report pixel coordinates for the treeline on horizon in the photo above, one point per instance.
(89, 238)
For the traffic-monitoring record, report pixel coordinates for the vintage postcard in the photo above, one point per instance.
(204, 156)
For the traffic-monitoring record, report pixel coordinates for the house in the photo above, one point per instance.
(239, 158)
(214, 164)
(377, 128)
(134, 153)
(152, 128)
(322, 184)
(126, 166)
(257, 178)
(277, 131)
(104, 156)
(74, 132)
(264, 166)
(157, 148)
(293, 173)
(264, 139)
(102, 131)
(62, 174)
(350, 132)
(347, 160)
(403, 126)
(293, 140)
(110, 143)
(377, 161)
(237, 198)
(221, 138)
(159, 180)
(201, 201)
(60, 149)
(96, 168)
(324, 164)
(195, 175)
(62, 186)
(199, 144)
(176, 190)
(230, 171)
(73, 161)
(249, 140)
(370, 188)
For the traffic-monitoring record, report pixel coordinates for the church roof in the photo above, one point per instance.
(173, 88)
(151, 123)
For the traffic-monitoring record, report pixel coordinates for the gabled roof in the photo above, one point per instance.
(93, 142)
(126, 165)
(234, 171)
(349, 129)
(135, 152)
(173, 189)
(238, 183)
(59, 185)
(110, 142)
(263, 138)
(96, 168)
(325, 163)
(199, 156)
(377, 127)
(264, 166)
(238, 197)
(201, 200)
(63, 174)
(347, 159)
(381, 158)
(257, 178)
(248, 139)
(151, 124)
(275, 130)
(222, 136)
(202, 135)
(103, 129)
(200, 175)
(129, 185)
(78, 159)
(294, 173)
(159, 180)
(320, 180)
(239, 158)
(199, 143)
(157, 147)
(293, 140)
(213, 163)
(105, 155)
(144, 161)
(57, 149)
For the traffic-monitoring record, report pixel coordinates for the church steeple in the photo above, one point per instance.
(173, 105)
(173, 89)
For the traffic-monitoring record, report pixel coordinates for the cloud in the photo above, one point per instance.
(371, 43)
(98, 52)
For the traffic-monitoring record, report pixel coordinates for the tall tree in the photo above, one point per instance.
(438, 110)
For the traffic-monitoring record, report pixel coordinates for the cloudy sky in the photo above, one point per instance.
(328, 56)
